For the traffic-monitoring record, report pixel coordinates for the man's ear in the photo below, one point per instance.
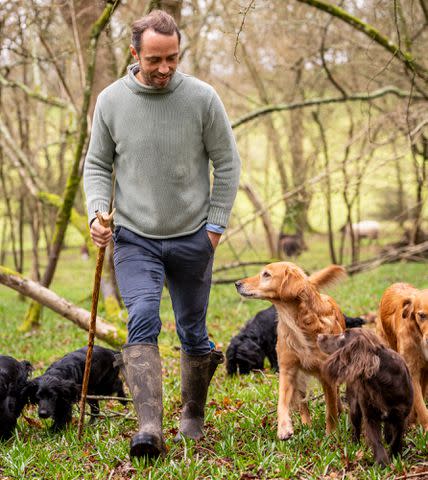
(407, 307)
(134, 52)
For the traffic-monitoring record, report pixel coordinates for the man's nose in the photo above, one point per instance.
(163, 68)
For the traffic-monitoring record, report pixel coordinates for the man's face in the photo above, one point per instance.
(158, 58)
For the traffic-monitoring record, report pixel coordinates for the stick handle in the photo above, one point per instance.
(104, 220)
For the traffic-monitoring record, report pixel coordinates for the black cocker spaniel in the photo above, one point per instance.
(60, 386)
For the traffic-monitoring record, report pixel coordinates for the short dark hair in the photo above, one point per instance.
(157, 20)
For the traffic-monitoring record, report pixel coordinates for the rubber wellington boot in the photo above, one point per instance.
(196, 374)
(143, 373)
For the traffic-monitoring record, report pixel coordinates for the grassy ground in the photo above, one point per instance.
(241, 414)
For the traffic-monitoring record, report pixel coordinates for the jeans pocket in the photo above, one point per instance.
(116, 233)
(207, 238)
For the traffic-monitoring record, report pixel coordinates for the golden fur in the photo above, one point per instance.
(403, 322)
(303, 313)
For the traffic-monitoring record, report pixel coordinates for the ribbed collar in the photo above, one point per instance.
(137, 87)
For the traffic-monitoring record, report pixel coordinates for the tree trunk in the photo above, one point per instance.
(265, 217)
(63, 216)
(328, 189)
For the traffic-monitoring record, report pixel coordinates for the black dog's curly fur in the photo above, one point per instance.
(379, 388)
(13, 381)
(60, 386)
(257, 340)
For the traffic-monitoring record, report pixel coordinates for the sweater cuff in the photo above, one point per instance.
(218, 216)
(102, 207)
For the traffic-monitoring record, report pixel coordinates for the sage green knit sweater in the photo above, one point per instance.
(159, 143)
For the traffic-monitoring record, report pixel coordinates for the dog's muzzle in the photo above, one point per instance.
(43, 413)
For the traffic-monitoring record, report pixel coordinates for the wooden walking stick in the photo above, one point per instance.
(104, 220)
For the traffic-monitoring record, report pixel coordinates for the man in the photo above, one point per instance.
(158, 129)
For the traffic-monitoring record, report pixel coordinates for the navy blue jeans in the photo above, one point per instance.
(143, 264)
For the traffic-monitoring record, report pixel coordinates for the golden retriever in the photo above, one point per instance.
(303, 313)
(403, 322)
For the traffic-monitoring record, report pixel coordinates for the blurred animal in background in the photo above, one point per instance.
(254, 342)
(13, 382)
(365, 229)
(257, 340)
(378, 386)
(403, 322)
(291, 245)
(60, 386)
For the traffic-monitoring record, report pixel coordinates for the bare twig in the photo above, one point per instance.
(244, 16)
(106, 397)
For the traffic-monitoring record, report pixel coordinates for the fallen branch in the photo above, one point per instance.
(106, 397)
(393, 254)
(405, 253)
(230, 266)
(127, 416)
(104, 331)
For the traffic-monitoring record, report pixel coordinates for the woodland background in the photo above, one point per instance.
(328, 102)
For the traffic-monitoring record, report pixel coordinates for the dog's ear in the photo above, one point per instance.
(407, 308)
(69, 390)
(28, 368)
(313, 301)
(291, 285)
(357, 358)
(231, 364)
(29, 391)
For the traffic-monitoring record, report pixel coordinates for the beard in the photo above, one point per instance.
(155, 79)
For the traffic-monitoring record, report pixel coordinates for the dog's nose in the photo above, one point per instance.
(238, 284)
(43, 413)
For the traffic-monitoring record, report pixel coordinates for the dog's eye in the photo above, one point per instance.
(266, 274)
(422, 315)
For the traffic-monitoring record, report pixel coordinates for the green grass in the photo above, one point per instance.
(241, 413)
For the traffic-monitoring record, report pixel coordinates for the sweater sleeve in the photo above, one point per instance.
(97, 174)
(221, 147)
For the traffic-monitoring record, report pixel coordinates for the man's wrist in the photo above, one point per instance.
(212, 227)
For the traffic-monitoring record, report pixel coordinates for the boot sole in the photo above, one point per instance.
(146, 445)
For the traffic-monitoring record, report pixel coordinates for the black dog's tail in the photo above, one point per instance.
(354, 322)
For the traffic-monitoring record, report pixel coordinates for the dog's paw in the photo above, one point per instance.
(285, 431)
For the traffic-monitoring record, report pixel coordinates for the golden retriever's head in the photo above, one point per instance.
(281, 281)
(415, 309)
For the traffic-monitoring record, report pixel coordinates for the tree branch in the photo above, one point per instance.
(324, 101)
(405, 57)
(54, 101)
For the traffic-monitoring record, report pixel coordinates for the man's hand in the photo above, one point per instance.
(100, 235)
(214, 238)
